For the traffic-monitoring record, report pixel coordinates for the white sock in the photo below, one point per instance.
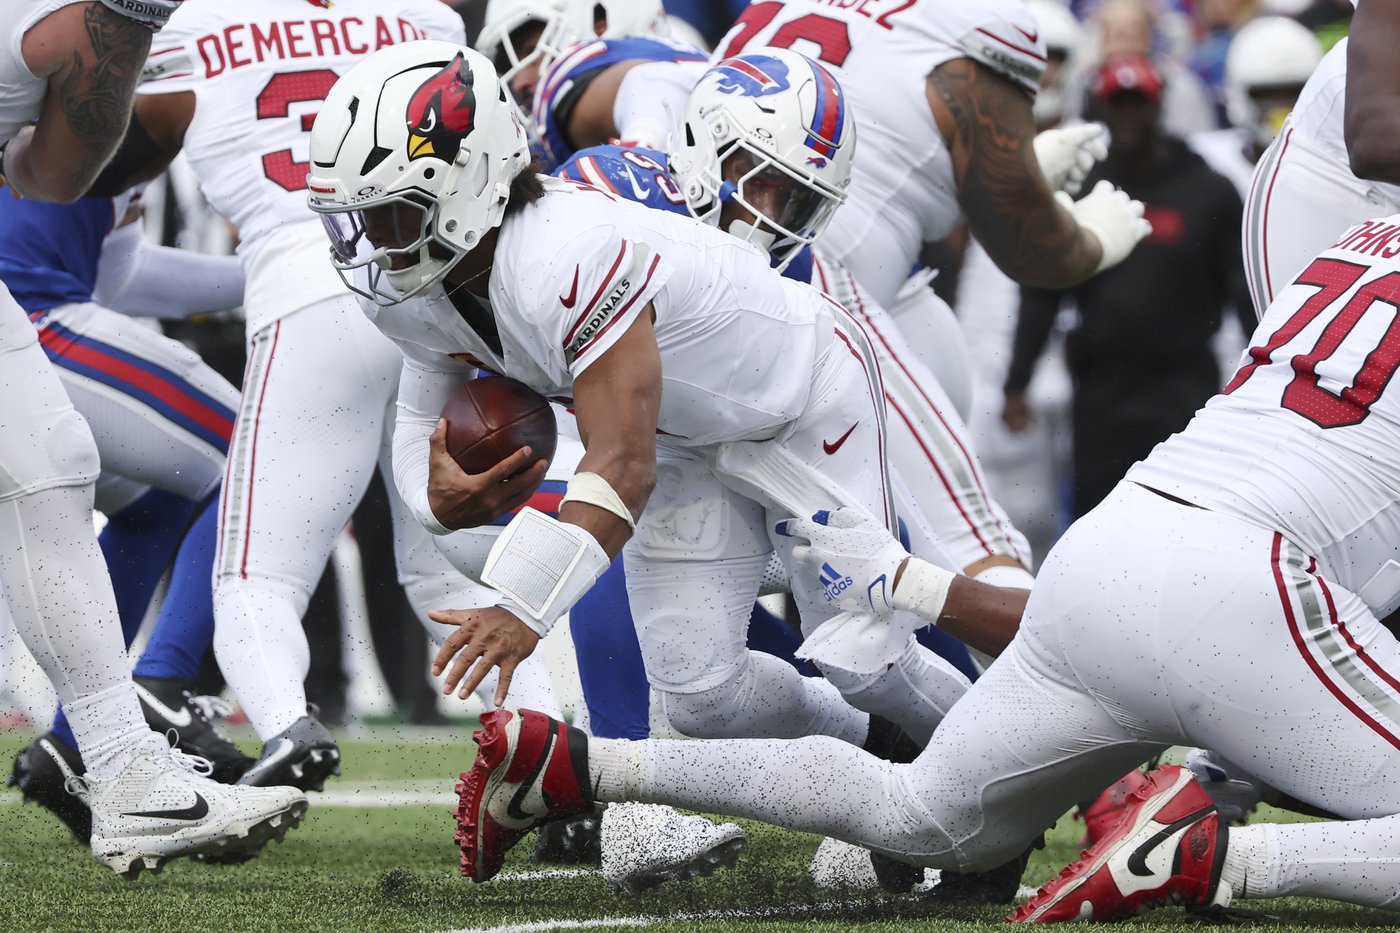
(262, 651)
(1354, 861)
(615, 769)
(107, 726)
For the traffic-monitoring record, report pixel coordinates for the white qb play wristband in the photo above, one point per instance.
(593, 489)
(922, 589)
(153, 14)
(543, 566)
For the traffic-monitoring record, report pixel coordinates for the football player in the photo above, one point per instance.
(161, 419)
(771, 395)
(1265, 530)
(67, 70)
(943, 97)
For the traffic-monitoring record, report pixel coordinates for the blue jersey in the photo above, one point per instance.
(644, 176)
(559, 90)
(49, 252)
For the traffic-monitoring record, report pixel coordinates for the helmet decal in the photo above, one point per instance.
(829, 117)
(752, 76)
(442, 112)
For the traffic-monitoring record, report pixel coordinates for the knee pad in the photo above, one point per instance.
(712, 713)
(234, 594)
(56, 449)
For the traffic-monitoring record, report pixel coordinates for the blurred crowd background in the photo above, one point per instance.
(1065, 394)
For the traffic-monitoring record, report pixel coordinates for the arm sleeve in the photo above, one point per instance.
(423, 390)
(139, 278)
(651, 100)
(1033, 323)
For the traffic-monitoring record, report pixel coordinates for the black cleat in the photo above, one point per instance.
(994, 886)
(170, 706)
(303, 755)
(41, 772)
(574, 840)
(890, 743)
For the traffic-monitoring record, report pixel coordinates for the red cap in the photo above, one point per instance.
(1128, 72)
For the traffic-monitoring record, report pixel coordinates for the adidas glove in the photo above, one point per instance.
(1067, 154)
(852, 558)
(153, 14)
(1113, 218)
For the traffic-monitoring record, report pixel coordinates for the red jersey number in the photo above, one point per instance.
(831, 36)
(1303, 394)
(274, 101)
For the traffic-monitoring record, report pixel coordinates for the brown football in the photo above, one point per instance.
(492, 417)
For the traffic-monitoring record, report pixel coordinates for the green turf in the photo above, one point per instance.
(395, 869)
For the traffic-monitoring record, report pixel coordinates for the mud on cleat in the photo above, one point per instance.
(529, 768)
(41, 771)
(162, 805)
(1168, 849)
(302, 755)
(170, 706)
(646, 844)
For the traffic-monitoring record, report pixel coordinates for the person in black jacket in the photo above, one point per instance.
(1140, 355)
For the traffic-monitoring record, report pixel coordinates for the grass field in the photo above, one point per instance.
(353, 867)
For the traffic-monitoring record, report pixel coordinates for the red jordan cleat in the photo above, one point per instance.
(529, 769)
(1103, 815)
(1168, 849)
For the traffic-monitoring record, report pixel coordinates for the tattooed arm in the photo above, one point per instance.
(987, 122)
(91, 58)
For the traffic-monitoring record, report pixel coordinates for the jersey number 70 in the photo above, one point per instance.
(1303, 395)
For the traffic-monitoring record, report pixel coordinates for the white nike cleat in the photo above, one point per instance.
(840, 866)
(162, 806)
(645, 844)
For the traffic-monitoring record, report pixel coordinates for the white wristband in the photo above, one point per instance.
(153, 14)
(593, 489)
(922, 589)
(542, 567)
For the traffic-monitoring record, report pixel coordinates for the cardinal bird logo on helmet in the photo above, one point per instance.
(442, 112)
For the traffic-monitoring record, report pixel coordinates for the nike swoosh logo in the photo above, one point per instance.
(196, 811)
(1137, 862)
(637, 190)
(177, 719)
(569, 300)
(513, 809)
(1033, 36)
(832, 447)
(284, 750)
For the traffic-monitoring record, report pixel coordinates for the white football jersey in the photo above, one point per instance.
(902, 190)
(259, 69)
(574, 270)
(1305, 439)
(21, 93)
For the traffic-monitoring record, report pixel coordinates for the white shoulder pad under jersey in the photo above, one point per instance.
(21, 94)
(259, 69)
(1305, 438)
(902, 191)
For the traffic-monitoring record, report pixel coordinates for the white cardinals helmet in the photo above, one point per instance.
(770, 130)
(1269, 61)
(422, 130)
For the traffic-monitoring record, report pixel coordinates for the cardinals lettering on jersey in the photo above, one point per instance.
(442, 112)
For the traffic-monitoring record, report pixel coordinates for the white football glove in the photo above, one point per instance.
(1113, 218)
(853, 557)
(1067, 154)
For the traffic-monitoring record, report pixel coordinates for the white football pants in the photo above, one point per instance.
(1151, 624)
(51, 572)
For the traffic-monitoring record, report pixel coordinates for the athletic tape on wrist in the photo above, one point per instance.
(593, 489)
(542, 566)
(922, 589)
(153, 14)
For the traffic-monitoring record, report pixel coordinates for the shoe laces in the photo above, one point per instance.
(195, 764)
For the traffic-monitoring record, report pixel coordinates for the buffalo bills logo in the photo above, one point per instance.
(442, 112)
(751, 75)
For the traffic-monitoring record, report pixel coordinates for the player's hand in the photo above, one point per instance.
(1113, 218)
(849, 557)
(1067, 154)
(485, 638)
(466, 500)
(1016, 412)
